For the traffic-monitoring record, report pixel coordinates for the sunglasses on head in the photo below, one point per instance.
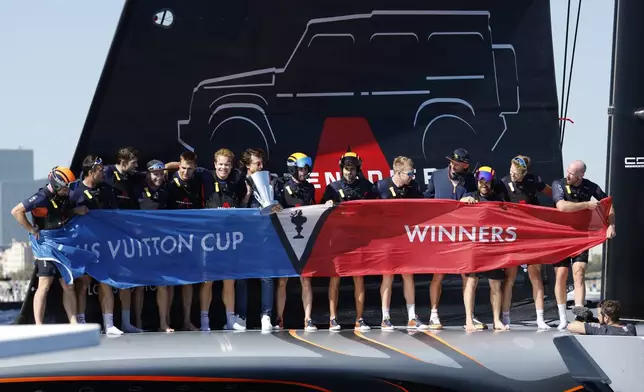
(521, 162)
(97, 162)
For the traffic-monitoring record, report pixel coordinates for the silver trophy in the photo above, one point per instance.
(260, 183)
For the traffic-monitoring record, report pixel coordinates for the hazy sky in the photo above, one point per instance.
(53, 54)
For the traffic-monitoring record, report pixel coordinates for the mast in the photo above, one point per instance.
(623, 267)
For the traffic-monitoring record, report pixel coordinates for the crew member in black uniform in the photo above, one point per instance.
(153, 195)
(574, 193)
(50, 208)
(228, 188)
(486, 192)
(253, 161)
(401, 185)
(95, 194)
(295, 191)
(126, 181)
(187, 190)
(352, 186)
(522, 187)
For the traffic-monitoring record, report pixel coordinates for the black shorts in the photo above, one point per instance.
(47, 269)
(497, 274)
(567, 262)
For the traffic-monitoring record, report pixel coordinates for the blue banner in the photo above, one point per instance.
(127, 248)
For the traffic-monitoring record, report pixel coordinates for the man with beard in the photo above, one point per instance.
(486, 192)
(50, 208)
(352, 186)
(574, 193)
(401, 185)
(95, 194)
(153, 196)
(295, 191)
(608, 322)
(252, 160)
(522, 187)
(124, 178)
(452, 182)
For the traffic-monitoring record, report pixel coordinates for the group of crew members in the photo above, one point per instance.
(184, 185)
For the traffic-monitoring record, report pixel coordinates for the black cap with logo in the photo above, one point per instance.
(459, 155)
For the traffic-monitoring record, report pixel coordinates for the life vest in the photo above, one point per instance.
(186, 195)
(346, 192)
(53, 215)
(225, 194)
(124, 190)
(292, 194)
(524, 192)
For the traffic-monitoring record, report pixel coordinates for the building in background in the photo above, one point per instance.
(16, 183)
(16, 258)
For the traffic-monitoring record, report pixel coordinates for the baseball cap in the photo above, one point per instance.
(155, 164)
(459, 155)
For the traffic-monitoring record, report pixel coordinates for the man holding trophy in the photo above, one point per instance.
(259, 194)
(291, 191)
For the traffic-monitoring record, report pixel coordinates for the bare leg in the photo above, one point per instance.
(436, 289)
(561, 282)
(40, 298)
(205, 299)
(281, 297)
(385, 294)
(334, 286)
(162, 305)
(359, 295)
(578, 275)
(69, 300)
(496, 297)
(106, 297)
(307, 297)
(534, 272)
(81, 286)
(469, 296)
(125, 296)
(138, 294)
(508, 285)
(186, 294)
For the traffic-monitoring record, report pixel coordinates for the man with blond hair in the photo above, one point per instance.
(401, 185)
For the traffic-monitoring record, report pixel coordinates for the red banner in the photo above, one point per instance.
(375, 237)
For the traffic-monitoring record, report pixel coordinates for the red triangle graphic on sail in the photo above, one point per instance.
(339, 133)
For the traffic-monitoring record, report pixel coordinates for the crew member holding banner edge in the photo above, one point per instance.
(401, 185)
(451, 183)
(95, 194)
(50, 208)
(351, 186)
(252, 160)
(575, 193)
(296, 191)
(486, 192)
(125, 180)
(522, 187)
(227, 192)
(154, 196)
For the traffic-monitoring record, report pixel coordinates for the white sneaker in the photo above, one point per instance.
(113, 331)
(563, 324)
(236, 324)
(266, 323)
